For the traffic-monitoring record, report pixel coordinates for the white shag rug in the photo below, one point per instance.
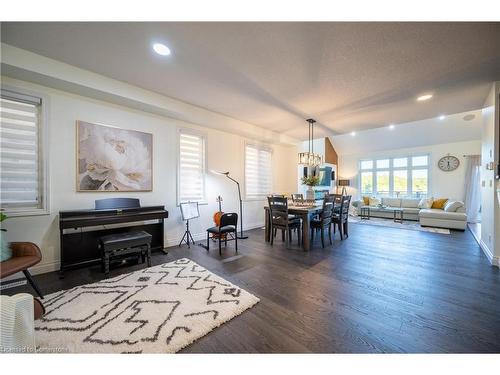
(160, 309)
(406, 224)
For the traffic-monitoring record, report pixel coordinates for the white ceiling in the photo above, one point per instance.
(348, 76)
(413, 134)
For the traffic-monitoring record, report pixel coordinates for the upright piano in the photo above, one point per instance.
(80, 230)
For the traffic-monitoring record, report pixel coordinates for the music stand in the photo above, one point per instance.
(189, 210)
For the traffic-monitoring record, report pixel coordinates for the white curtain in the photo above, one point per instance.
(473, 189)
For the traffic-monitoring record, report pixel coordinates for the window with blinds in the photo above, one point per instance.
(21, 179)
(258, 176)
(191, 173)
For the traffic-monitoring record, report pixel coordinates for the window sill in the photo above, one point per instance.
(23, 213)
(200, 203)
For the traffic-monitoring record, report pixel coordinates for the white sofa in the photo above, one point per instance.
(430, 217)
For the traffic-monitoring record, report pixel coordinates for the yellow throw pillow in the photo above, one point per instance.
(439, 203)
(366, 201)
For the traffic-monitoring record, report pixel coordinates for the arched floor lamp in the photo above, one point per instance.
(241, 236)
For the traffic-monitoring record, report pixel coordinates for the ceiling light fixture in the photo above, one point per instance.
(424, 97)
(391, 126)
(353, 133)
(309, 158)
(442, 117)
(161, 49)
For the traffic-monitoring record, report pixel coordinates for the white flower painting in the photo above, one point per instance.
(113, 159)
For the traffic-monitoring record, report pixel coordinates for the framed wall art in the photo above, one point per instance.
(113, 159)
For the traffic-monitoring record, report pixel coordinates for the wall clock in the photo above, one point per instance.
(448, 163)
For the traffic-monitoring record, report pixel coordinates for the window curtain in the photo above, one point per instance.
(473, 189)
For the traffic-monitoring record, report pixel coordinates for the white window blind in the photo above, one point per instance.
(20, 174)
(258, 175)
(191, 167)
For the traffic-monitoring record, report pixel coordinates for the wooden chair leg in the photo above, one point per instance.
(346, 228)
(283, 237)
(330, 233)
(323, 237)
(208, 240)
(273, 234)
(236, 240)
(220, 246)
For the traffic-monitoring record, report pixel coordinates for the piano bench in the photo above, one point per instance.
(121, 244)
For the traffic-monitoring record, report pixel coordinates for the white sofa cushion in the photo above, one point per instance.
(425, 203)
(453, 206)
(410, 203)
(434, 213)
(392, 202)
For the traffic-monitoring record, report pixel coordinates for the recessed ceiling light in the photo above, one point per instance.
(392, 126)
(422, 98)
(469, 117)
(161, 49)
(442, 117)
(353, 133)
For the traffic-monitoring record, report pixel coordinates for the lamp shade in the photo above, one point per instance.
(344, 182)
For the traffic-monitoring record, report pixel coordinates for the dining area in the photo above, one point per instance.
(301, 220)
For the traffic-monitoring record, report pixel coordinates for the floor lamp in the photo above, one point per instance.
(241, 236)
(344, 183)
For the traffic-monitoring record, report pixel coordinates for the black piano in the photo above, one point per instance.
(79, 242)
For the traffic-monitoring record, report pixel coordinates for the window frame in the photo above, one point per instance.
(259, 147)
(43, 154)
(204, 138)
(409, 168)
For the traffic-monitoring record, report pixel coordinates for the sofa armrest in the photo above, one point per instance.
(22, 249)
(357, 203)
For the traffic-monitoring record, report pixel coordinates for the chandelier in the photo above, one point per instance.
(309, 158)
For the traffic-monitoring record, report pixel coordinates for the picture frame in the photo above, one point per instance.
(113, 159)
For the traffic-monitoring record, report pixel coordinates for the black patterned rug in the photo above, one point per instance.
(160, 309)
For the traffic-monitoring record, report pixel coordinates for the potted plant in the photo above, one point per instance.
(310, 181)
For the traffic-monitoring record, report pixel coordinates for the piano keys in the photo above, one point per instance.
(80, 230)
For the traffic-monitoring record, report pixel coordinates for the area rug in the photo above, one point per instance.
(160, 309)
(409, 225)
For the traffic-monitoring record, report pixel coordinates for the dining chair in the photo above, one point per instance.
(281, 219)
(324, 220)
(341, 217)
(228, 225)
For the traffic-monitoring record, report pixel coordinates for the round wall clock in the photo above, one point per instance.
(448, 163)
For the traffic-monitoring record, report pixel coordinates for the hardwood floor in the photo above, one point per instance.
(381, 290)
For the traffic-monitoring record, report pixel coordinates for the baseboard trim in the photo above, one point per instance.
(495, 261)
(172, 241)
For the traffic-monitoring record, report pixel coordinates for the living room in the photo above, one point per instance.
(249, 187)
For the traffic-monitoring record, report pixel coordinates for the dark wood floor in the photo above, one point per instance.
(381, 290)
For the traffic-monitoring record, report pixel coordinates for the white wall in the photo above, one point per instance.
(442, 184)
(225, 152)
(490, 226)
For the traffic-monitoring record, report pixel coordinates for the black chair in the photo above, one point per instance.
(228, 225)
(281, 219)
(341, 217)
(324, 220)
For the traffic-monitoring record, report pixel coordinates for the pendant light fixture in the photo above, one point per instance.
(309, 158)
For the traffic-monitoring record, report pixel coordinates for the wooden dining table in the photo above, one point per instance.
(306, 213)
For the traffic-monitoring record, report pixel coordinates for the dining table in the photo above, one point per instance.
(306, 213)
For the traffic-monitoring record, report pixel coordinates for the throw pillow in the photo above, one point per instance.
(366, 201)
(6, 251)
(374, 201)
(425, 203)
(439, 203)
(452, 206)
